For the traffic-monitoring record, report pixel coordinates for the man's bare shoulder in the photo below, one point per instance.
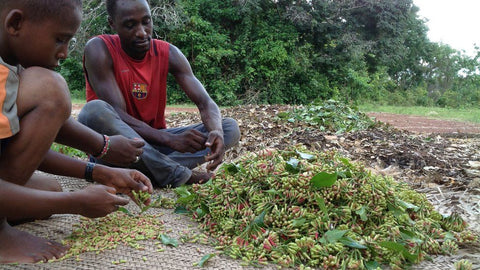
(96, 49)
(95, 43)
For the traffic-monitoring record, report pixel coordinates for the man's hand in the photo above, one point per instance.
(97, 201)
(123, 180)
(123, 151)
(188, 141)
(217, 146)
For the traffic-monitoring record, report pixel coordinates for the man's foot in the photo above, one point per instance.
(199, 177)
(21, 247)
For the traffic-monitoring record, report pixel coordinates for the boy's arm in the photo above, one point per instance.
(180, 68)
(94, 201)
(123, 180)
(122, 151)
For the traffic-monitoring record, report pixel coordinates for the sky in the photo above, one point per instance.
(452, 22)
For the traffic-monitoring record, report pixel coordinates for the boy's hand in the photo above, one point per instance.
(123, 180)
(123, 151)
(97, 201)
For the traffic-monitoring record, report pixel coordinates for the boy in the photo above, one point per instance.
(35, 111)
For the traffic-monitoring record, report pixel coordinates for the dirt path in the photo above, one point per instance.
(423, 124)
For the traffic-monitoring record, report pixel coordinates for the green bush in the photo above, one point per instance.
(72, 70)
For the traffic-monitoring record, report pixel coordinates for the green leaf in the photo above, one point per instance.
(321, 204)
(298, 222)
(306, 156)
(372, 265)
(362, 212)
(186, 199)
(407, 205)
(182, 191)
(332, 236)
(324, 179)
(181, 210)
(168, 241)
(216, 190)
(200, 212)
(205, 259)
(292, 165)
(449, 236)
(205, 208)
(411, 236)
(397, 211)
(124, 210)
(394, 246)
(259, 219)
(347, 241)
(231, 168)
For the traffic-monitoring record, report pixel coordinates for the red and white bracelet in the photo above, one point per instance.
(106, 146)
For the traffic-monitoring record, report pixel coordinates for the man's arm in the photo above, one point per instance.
(180, 68)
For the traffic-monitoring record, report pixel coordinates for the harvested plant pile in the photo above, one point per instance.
(106, 233)
(121, 227)
(297, 208)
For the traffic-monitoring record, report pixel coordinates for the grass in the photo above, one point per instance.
(471, 115)
(78, 100)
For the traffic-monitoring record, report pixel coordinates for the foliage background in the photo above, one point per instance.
(294, 52)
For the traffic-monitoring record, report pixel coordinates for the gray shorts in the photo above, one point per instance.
(9, 81)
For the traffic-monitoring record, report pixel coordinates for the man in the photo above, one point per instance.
(126, 78)
(35, 110)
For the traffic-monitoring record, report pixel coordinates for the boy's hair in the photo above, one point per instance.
(38, 10)
(112, 7)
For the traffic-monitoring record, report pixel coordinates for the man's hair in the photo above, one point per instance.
(41, 9)
(112, 7)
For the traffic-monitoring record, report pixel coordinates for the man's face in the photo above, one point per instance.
(45, 43)
(133, 24)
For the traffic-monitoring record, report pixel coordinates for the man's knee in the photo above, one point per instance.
(95, 110)
(231, 131)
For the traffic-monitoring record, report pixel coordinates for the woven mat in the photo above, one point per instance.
(184, 256)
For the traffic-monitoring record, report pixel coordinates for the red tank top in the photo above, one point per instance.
(143, 82)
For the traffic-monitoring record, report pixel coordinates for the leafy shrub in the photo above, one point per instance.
(331, 116)
(72, 70)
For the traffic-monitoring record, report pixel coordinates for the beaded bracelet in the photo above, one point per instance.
(89, 172)
(106, 146)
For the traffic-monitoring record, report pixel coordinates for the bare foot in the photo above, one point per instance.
(21, 247)
(199, 177)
